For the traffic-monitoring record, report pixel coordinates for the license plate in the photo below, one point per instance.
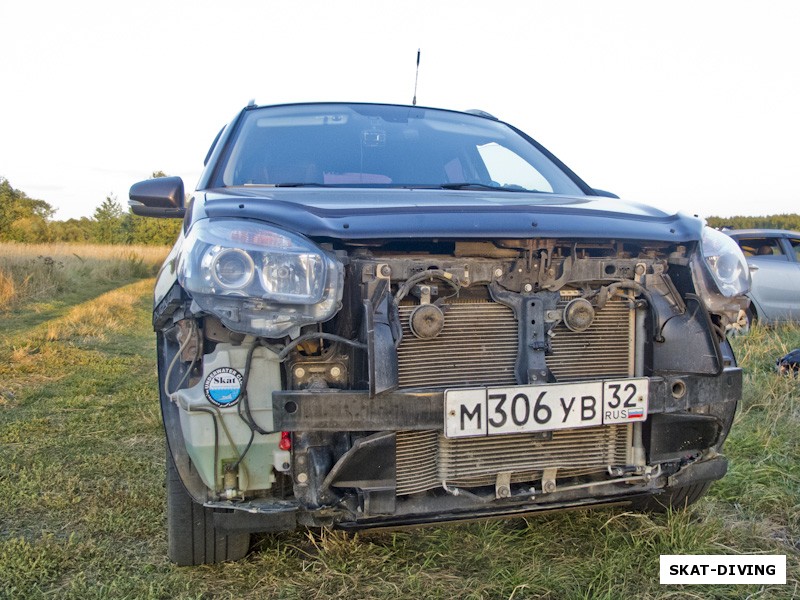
(532, 408)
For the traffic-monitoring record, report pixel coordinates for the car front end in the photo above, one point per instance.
(352, 335)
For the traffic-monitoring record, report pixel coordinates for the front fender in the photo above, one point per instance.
(176, 445)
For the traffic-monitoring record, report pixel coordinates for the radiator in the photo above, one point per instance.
(477, 347)
(426, 458)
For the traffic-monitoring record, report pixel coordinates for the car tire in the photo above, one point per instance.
(192, 537)
(675, 498)
(752, 316)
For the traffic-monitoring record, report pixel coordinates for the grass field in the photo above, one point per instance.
(39, 272)
(82, 492)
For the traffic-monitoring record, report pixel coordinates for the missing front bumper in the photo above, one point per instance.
(354, 410)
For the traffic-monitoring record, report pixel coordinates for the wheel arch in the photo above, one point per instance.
(173, 434)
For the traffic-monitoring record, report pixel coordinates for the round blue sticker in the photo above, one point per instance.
(223, 386)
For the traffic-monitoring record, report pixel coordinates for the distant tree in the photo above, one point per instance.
(108, 222)
(32, 230)
(22, 219)
(156, 232)
(72, 230)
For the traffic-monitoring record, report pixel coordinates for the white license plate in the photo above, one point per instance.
(532, 408)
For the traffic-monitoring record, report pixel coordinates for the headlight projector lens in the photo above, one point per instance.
(233, 268)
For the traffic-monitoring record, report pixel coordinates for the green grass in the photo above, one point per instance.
(82, 493)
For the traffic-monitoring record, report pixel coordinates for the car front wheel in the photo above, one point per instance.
(191, 535)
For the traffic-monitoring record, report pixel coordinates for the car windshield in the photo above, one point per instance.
(362, 145)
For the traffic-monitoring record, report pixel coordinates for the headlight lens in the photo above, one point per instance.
(726, 263)
(258, 279)
(231, 268)
(293, 277)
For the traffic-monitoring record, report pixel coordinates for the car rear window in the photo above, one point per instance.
(795, 242)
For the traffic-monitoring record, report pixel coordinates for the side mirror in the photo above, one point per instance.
(161, 197)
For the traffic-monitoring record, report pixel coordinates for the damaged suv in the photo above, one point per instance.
(381, 315)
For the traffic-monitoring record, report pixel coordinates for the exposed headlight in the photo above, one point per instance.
(230, 268)
(258, 279)
(721, 276)
(293, 277)
(725, 262)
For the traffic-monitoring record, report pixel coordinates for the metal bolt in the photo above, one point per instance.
(498, 272)
(503, 492)
(549, 487)
(528, 287)
(386, 270)
(299, 372)
(335, 372)
(302, 478)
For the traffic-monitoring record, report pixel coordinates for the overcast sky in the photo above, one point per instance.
(687, 105)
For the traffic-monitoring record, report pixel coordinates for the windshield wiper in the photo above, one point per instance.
(483, 186)
(277, 185)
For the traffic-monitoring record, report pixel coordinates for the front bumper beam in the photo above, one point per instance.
(354, 410)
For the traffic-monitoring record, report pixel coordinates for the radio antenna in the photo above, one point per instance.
(416, 78)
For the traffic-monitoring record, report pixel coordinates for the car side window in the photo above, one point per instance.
(795, 242)
(762, 247)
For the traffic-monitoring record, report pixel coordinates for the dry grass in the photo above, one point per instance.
(106, 314)
(36, 272)
(24, 358)
(8, 289)
(60, 251)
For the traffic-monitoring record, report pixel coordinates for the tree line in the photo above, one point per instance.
(24, 219)
(785, 221)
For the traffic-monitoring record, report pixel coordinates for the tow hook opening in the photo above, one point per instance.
(678, 389)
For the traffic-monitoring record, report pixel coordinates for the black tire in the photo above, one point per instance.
(191, 536)
(675, 498)
(752, 316)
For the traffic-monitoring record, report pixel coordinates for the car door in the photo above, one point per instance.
(792, 248)
(776, 277)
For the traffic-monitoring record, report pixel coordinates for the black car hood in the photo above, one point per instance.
(361, 214)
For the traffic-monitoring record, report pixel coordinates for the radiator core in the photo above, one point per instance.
(478, 347)
(425, 459)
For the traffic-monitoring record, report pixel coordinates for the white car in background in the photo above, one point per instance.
(774, 259)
